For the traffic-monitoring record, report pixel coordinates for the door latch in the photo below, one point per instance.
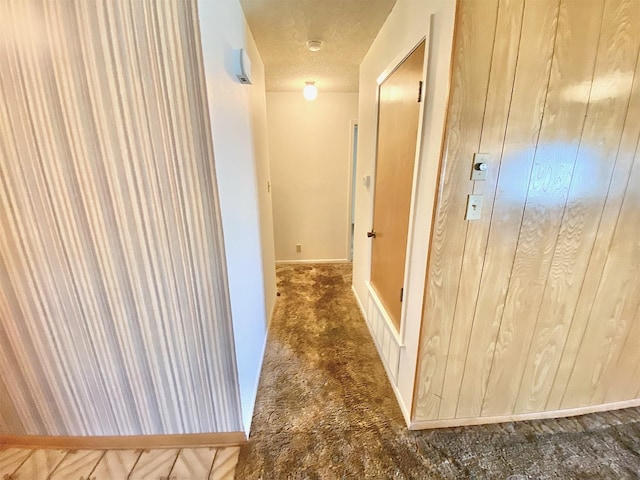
(371, 234)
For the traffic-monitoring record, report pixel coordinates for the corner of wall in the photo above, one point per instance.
(406, 25)
(238, 123)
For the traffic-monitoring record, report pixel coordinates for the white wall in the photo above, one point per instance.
(310, 172)
(407, 24)
(242, 164)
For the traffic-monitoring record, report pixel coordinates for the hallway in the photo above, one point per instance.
(326, 410)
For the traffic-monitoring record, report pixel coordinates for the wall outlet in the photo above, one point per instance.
(298, 248)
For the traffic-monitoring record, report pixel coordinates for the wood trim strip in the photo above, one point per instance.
(217, 439)
(311, 261)
(568, 412)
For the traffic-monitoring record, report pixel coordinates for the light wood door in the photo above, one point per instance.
(398, 114)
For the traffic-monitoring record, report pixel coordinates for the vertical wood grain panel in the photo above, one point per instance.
(224, 463)
(536, 50)
(154, 464)
(553, 167)
(623, 381)
(610, 320)
(12, 458)
(609, 218)
(538, 308)
(114, 309)
(193, 464)
(607, 116)
(501, 82)
(478, 21)
(40, 464)
(77, 464)
(116, 464)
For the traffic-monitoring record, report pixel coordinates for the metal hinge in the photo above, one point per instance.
(419, 91)
(401, 294)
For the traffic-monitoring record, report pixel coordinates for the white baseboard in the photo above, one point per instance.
(317, 260)
(247, 428)
(568, 412)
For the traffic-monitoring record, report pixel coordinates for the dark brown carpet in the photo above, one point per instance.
(325, 409)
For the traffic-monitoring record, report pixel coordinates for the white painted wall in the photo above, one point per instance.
(407, 24)
(238, 123)
(310, 171)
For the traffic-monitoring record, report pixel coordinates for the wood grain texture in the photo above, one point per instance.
(551, 175)
(77, 464)
(55, 464)
(39, 465)
(533, 310)
(154, 464)
(537, 40)
(623, 380)
(193, 464)
(11, 459)
(113, 300)
(594, 167)
(477, 20)
(224, 463)
(115, 464)
(501, 79)
(610, 322)
(395, 163)
(600, 251)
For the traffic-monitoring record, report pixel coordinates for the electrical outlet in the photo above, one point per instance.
(298, 248)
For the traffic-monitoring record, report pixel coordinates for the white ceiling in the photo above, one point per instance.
(281, 29)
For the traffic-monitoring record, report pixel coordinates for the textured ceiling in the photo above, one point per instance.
(281, 29)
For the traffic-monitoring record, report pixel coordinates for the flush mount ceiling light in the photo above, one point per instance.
(314, 45)
(310, 91)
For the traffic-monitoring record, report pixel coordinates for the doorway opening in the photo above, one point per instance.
(352, 193)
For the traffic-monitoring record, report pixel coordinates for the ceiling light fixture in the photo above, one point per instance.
(310, 91)
(314, 45)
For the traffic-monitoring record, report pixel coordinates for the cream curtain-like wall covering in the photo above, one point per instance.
(114, 310)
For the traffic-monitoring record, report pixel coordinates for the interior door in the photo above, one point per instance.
(399, 103)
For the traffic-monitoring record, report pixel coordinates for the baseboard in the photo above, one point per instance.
(568, 412)
(129, 442)
(403, 407)
(359, 302)
(247, 427)
(318, 260)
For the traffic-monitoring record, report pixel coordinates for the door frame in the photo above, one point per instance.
(351, 196)
(400, 360)
(400, 335)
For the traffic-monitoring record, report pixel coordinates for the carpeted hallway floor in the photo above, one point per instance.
(325, 409)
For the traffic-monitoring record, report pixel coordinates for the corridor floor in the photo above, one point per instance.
(325, 409)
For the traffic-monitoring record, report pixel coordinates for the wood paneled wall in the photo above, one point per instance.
(114, 310)
(535, 307)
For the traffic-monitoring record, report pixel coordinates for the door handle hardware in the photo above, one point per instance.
(371, 234)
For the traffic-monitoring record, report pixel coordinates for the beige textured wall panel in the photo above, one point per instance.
(114, 310)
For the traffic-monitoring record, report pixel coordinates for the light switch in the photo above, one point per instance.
(474, 207)
(480, 166)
